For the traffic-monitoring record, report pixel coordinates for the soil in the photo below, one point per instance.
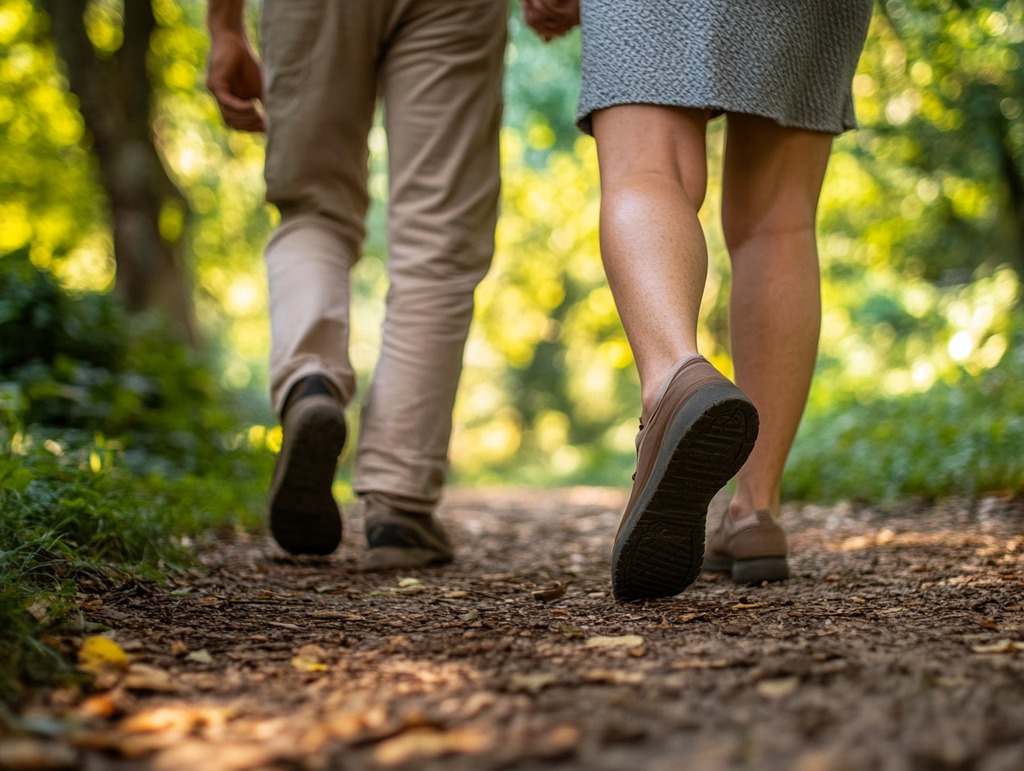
(897, 644)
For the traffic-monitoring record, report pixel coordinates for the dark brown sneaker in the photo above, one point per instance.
(403, 539)
(699, 434)
(304, 517)
(753, 549)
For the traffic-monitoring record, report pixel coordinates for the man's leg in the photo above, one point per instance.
(320, 96)
(441, 84)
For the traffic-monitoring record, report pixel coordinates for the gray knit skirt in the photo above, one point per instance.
(789, 60)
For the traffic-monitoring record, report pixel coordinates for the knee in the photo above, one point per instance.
(629, 197)
(742, 224)
(457, 269)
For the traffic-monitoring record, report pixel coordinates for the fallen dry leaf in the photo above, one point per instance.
(178, 648)
(532, 683)
(169, 718)
(308, 664)
(748, 605)
(778, 688)
(100, 706)
(429, 743)
(688, 617)
(702, 664)
(138, 745)
(613, 676)
(1001, 646)
(99, 653)
(558, 742)
(550, 594)
(142, 677)
(622, 641)
(40, 609)
(201, 656)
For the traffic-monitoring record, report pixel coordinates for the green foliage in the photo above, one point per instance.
(933, 184)
(117, 443)
(958, 438)
(541, 86)
(73, 361)
(48, 198)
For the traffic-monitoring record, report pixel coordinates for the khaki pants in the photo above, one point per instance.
(437, 66)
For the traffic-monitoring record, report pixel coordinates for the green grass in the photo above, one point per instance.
(74, 512)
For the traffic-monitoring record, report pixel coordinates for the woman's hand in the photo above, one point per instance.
(551, 18)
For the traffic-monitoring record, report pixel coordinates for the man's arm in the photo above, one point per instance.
(233, 75)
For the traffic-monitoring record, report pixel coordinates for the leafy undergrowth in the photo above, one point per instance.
(118, 447)
(960, 438)
(957, 439)
(74, 517)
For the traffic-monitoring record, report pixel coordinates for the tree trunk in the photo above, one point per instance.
(115, 97)
(1013, 176)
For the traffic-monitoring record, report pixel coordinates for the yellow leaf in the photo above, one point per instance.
(308, 664)
(100, 653)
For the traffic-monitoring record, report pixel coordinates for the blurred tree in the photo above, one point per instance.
(105, 47)
(941, 102)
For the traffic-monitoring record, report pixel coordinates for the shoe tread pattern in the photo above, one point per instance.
(304, 517)
(661, 553)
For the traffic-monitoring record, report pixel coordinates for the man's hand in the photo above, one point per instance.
(235, 80)
(551, 18)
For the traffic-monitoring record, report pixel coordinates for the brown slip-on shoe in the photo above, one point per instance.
(398, 539)
(753, 548)
(699, 434)
(304, 517)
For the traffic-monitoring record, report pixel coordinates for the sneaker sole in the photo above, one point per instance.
(661, 546)
(304, 518)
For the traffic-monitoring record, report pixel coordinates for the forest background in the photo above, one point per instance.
(133, 330)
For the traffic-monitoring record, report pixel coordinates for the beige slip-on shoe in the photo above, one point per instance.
(752, 549)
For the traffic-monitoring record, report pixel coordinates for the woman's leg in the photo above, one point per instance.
(697, 428)
(771, 183)
(653, 178)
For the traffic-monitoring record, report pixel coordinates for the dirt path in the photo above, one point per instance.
(898, 644)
